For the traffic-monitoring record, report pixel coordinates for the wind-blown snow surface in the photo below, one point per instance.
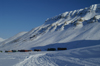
(78, 31)
(87, 56)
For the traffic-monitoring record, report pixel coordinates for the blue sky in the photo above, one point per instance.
(23, 15)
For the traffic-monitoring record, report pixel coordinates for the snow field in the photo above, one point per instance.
(87, 56)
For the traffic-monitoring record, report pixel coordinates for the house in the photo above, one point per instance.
(51, 49)
(61, 48)
(0, 51)
(37, 49)
(9, 51)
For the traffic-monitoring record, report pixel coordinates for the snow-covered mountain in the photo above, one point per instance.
(1, 39)
(78, 31)
(13, 38)
(74, 27)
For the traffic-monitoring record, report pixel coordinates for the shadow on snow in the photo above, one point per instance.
(69, 45)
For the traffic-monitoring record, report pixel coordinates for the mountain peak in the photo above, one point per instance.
(1, 39)
(72, 16)
(65, 27)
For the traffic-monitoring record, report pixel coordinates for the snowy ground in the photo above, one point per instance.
(87, 56)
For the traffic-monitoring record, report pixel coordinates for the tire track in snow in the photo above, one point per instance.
(37, 60)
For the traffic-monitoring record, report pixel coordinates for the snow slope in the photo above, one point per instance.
(78, 25)
(1, 39)
(77, 30)
(12, 39)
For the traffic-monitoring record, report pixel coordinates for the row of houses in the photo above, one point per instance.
(16, 51)
(19, 51)
(49, 49)
(54, 49)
